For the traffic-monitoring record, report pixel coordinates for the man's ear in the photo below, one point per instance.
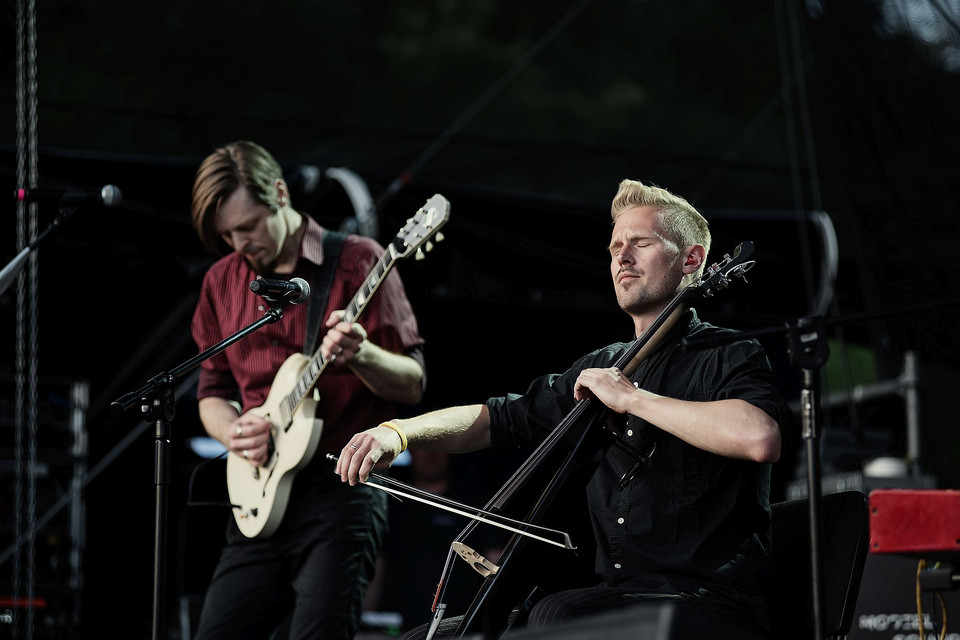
(283, 192)
(694, 257)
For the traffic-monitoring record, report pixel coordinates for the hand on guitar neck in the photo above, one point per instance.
(342, 343)
(390, 376)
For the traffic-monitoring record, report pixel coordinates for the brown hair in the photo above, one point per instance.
(238, 164)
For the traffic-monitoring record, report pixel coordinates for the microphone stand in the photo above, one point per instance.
(12, 270)
(808, 349)
(157, 403)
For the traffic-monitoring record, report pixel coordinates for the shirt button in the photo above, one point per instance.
(620, 520)
(616, 565)
(630, 432)
(260, 307)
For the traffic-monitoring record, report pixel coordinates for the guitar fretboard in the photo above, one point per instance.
(311, 372)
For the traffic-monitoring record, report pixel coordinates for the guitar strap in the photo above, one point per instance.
(320, 286)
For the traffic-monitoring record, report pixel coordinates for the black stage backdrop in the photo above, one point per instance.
(525, 118)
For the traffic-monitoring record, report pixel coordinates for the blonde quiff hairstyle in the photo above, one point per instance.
(238, 164)
(681, 222)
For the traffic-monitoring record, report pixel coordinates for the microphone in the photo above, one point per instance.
(295, 291)
(108, 195)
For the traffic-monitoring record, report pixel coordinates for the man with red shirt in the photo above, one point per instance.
(313, 571)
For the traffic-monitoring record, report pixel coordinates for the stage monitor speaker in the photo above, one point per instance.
(663, 621)
(887, 604)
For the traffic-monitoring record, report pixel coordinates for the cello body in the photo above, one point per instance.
(527, 569)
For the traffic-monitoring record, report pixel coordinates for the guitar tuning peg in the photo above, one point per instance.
(419, 255)
(439, 237)
(429, 246)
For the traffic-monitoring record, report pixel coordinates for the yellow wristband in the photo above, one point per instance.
(403, 436)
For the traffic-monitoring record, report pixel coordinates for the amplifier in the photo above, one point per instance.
(920, 522)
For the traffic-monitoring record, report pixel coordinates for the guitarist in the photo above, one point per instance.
(691, 526)
(312, 573)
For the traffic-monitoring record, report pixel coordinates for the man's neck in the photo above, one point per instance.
(287, 261)
(643, 323)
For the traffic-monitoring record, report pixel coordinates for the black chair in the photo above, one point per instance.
(846, 535)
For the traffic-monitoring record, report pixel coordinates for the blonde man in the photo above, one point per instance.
(692, 526)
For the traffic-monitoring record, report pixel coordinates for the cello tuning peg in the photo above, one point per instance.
(419, 255)
(439, 237)
(429, 246)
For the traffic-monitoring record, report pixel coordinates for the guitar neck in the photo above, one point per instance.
(311, 372)
(414, 234)
(373, 281)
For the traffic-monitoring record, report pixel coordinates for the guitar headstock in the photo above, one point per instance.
(719, 275)
(425, 224)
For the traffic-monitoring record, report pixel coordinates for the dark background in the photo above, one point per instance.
(525, 116)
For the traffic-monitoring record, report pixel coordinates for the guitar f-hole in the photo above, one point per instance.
(270, 475)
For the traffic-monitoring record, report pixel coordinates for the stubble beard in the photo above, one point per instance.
(261, 267)
(635, 302)
(640, 299)
(257, 266)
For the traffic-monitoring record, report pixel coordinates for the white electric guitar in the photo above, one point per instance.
(259, 494)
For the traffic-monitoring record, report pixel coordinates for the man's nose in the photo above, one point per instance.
(239, 240)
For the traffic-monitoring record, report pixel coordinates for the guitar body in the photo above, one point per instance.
(260, 494)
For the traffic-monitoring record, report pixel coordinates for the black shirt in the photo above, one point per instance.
(691, 521)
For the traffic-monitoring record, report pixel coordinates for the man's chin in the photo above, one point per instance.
(632, 304)
(642, 305)
(257, 265)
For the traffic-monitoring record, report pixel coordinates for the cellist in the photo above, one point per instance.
(693, 526)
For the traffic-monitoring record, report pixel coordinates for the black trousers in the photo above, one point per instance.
(309, 578)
